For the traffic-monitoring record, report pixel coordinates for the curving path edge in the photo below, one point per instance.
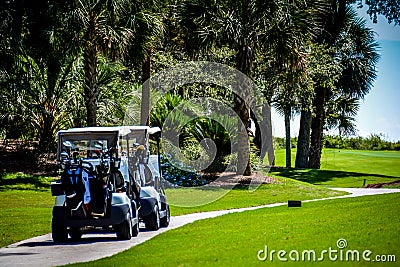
(41, 251)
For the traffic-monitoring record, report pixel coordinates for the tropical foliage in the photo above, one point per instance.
(82, 63)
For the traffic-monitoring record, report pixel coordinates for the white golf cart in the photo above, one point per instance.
(105, 171)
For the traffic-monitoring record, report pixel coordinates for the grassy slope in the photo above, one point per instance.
(345, 168)
(235, 239)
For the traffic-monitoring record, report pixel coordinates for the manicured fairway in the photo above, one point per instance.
(366, 223)
(25, 206)
(26, 202)
(281, 190)
(346, 168)
(24, 214)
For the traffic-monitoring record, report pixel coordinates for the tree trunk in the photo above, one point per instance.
(317, 128)
(46, 138)
(287, 133)
(243, 143)
(47, 124)
(332, 30)
(145, 105)
(244, 61)
(257, 140)
(303, 142)
(91, 90)
(266, 139)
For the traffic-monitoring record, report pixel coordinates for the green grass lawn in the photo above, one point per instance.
(26, 202)
(345, 168)
(281, 191)
(25, 206)
(22, 181)
(370, 222)
(24, 214)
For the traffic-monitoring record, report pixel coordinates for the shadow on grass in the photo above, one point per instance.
(314, 176)
(24, 182)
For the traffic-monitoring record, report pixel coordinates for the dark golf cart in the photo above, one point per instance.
(102, 176)
(154, 210)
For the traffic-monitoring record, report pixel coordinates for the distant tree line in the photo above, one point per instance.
(371, 142)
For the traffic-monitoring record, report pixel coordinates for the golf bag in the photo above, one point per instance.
(87, 194)
(74, 188)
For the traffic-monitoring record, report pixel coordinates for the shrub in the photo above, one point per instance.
(176, 173)
(372, 142)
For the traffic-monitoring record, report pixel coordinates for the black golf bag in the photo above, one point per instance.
(74, 188)
(87, 194)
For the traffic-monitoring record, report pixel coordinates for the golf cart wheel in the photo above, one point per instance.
(135, 230)
(164, 222)
(75, 233)
(152, 221)
(107, 207)
(59, 233)
(124, 230)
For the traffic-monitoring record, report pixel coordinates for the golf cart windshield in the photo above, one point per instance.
(88, 145)
(130, 144)
(88, 149)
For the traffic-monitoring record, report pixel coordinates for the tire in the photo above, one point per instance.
(135, 230)
(124, 230)
(108, 205)
(164, 222)
(59, 233)
(152, 221)
(75, 233)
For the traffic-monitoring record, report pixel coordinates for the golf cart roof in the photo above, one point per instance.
(123, 130)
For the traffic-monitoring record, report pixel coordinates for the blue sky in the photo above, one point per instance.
(380, 110)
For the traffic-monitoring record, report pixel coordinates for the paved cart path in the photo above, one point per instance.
(41, 251)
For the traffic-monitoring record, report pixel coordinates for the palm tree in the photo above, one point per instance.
(358, 54)
(278, 28)
(356, 51)
(323, 72)
(116, 92)
(335, 30)
(341, 112)
(148, 28)
(40, 64)
(99, 28)
(46, 105)
(238, 25)
(162, 108)
(287, 45)
(286, 103)
(244, 26)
